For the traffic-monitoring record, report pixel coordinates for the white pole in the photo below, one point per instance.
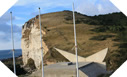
(75, 42)
(41, 44)
(13, 44)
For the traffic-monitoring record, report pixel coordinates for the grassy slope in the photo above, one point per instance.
(59, 34)
(59, 29)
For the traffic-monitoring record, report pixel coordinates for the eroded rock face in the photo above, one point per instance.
(31, 43)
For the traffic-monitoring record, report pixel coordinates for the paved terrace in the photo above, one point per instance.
(67, 69)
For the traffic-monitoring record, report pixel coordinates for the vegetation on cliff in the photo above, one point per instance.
(19, 69)
(115, 23)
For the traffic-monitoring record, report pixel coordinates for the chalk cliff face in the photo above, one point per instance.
(31, 43)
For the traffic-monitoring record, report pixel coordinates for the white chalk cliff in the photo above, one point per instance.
(31, 44)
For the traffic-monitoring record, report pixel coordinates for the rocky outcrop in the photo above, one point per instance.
(31, 44)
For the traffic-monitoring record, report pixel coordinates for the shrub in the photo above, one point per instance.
(31, 64)
(69, 18)
(101, 37)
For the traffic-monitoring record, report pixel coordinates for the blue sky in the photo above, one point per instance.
(24, 10)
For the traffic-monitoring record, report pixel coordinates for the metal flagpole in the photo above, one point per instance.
(13, 44)
(41, 44)
(75, 42)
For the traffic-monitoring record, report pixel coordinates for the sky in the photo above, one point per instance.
(24, 10)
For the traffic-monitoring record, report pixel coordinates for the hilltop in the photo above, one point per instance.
(93, 34)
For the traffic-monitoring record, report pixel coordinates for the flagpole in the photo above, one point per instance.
(76, 50)
(41, 44)
(13, 44)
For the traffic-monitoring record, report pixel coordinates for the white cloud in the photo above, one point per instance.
(96, 7)
(5, 32)
(89, 7)
(6, 42)
(86, 7)
(100, 8)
